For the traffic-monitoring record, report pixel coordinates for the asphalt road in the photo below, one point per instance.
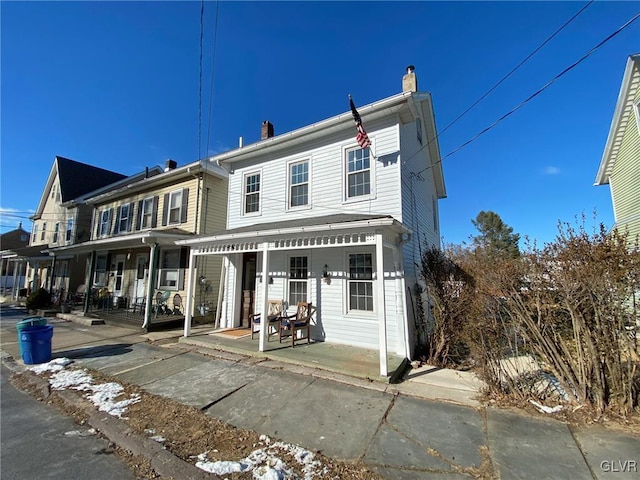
(40, 442)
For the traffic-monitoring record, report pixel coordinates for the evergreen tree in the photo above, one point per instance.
(495, 237)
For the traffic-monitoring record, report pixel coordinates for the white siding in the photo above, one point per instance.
(327, 179)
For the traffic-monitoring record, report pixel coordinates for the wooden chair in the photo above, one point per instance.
(274, 312)
(299, 322)
(177, 304)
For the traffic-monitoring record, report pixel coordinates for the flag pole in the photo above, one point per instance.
(362, 137)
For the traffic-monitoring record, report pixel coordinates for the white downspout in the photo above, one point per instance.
(382, 316)
(188, 309)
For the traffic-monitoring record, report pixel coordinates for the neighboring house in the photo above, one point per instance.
(132, 251)
(10, 243)
(60, 220)
(314, 217)
(620, 164)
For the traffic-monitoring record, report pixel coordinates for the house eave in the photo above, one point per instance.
(623, 109)
(120, 242)
(368, 113)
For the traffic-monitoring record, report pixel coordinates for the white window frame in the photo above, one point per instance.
(104, 224)
(144, 216)
(69, 231)
(171, 208)
(636, 109)
(419, 130)
(123, 221)
(170, 276)
(297, 280)
(100, 274)
(364, 281)
(347, 174)
(291, 185)
(35, 233)
(56, 231)
(257, 192)
(43, 233)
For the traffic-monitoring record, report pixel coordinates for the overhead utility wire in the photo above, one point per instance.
(516, 67)
(200, 82)
(535, 94)
(213, 64)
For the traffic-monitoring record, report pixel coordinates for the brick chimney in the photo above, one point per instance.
(267, 130)
(170, 165)
(409, 80)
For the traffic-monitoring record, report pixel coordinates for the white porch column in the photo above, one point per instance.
(190, 289)
(380, 304)
(221, 289)
(153, 252)
(264, 310)
(15, 288)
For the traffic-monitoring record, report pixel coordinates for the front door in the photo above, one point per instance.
(249, 261)
(142, 273)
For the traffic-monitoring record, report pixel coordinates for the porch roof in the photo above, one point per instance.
(306, 232)
(149, 237)
(37, 252)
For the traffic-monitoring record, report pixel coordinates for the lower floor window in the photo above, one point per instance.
(169, 270)
(100, 275)
(361, 282)
(298, 275)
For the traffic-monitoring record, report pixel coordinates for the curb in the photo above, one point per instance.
(165, 464)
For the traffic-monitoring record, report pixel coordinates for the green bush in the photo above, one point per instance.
(39, 299)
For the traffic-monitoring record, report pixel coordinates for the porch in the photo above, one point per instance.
(341, 359)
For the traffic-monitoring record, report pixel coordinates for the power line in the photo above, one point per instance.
(200, 82)
(213, 63)
(527, 100)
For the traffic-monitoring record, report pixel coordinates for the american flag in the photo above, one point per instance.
(362, 138)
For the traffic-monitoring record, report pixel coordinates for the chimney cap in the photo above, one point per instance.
(410, 69)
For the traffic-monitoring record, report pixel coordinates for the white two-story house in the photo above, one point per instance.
(312, 216)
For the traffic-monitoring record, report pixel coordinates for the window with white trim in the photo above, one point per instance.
(252, 193)
(104, 224)
(100, 274)
(35, 232)
(636, 109)
(56, 230)
(298, 280)
(358, 172)
(299, 184)
(69, 229)
(147, 213)
(175, 206)
(125, 214)
(169, 278)
(360, 283)
(419, 130)
(44, 231)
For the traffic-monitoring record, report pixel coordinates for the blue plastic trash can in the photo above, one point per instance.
(35, 344)
(29, 322)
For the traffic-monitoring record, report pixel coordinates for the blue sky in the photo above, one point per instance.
(116, 85)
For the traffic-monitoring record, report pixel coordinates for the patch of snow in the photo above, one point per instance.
(545, 409)
(80, 433)
(54, 365)
(101, 395)
(158, 438)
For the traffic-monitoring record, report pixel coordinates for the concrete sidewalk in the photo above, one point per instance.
(397, 430)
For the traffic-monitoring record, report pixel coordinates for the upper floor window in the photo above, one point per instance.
(361, 281)
(252, 193)
(419, 130)
(43, 233)
(358, 172)
(69, 229)
(104, 222)
(35, 232)
(55, 232)
(299, 184)
(125, 215)
(147, 213)
(636, 108)
(175, 207)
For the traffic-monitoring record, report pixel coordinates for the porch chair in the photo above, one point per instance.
(177, 304)
(274, 312)
(298, 322)
(139, 305)
(161, 303)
